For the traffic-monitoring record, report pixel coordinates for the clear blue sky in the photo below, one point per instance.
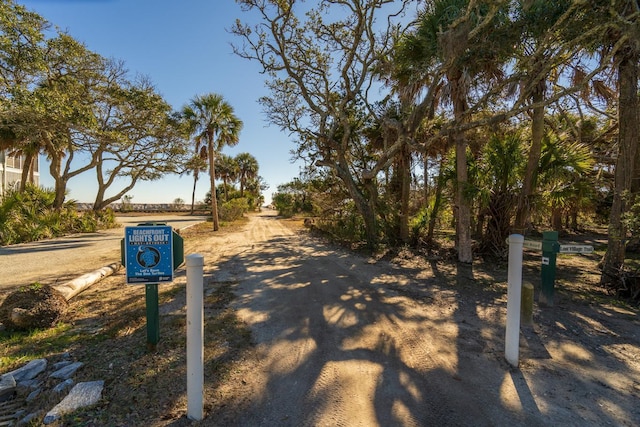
(184, 48)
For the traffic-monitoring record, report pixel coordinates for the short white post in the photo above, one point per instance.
(514, 294)
(195, 337)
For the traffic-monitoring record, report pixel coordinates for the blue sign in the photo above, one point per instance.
(148, 253)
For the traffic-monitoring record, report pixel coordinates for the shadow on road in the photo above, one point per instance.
(339, 341)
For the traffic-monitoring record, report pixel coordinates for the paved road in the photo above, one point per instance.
(62, 259)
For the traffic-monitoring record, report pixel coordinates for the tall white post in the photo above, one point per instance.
(195, 336)
(514, 294)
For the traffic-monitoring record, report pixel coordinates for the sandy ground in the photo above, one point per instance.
(404, 340)
(343, 340)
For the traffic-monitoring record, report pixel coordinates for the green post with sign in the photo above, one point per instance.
(550, 249)
(153, 315)
(150, 254)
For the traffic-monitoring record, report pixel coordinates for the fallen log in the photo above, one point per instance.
(42, 306)
(79, 284)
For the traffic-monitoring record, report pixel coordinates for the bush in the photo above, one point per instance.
(29, 216)
(284, 204)
(418, 224)
(344, 224)
(233, 209)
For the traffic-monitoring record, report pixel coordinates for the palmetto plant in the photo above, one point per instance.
(564, 167)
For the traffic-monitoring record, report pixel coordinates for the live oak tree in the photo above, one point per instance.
(321, 62)
(58, 110)
(139, 139)
(21, 62)
(59, 98)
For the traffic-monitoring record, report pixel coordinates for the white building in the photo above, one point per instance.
(11, 171)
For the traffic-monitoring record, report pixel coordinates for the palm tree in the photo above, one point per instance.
(565, 166)
(214, 123)
(227, 170)
(536, 20)
(247, 170)
(621, 37)
(465, 45)
(195, 164)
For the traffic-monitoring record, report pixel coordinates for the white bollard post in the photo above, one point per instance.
(514, 294)
(195, 337)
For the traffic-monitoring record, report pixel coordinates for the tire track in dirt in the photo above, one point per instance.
(340, 340)
(331, 348)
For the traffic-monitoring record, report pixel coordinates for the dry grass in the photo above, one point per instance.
(106, 329)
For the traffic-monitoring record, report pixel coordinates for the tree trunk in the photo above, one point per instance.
(627, 61)
(556, 219)
(531, 173)
(364, 205)
(193, 192)
(74, 287)
(27, 167)
(212, 174)
(59, 182)
(425, 166)
(463, 208)
(405, 191)
(3, 163)
(436, 202)
(463, 223)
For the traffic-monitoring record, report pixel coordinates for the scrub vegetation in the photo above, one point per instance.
(30, 215)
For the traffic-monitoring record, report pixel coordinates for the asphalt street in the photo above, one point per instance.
(62, 259)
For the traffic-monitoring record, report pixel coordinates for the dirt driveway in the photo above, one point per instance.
(346, 340)
(343, 340)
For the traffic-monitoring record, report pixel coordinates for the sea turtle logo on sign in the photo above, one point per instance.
(148, 257)
(148, 251)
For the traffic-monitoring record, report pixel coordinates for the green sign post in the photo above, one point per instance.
(150, 253)
(550, 249)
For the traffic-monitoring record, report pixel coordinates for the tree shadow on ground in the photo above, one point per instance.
(326, 323)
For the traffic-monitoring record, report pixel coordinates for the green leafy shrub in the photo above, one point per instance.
(233, 209)
(29, 216)
(343, 224)
(284, 204)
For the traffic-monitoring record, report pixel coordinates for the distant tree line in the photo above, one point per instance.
(488, 116)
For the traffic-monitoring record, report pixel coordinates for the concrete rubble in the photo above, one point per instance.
(40, 380)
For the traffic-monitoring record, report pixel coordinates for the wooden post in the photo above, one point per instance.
(526, 309)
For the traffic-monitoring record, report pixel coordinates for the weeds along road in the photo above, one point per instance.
(62, 259)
